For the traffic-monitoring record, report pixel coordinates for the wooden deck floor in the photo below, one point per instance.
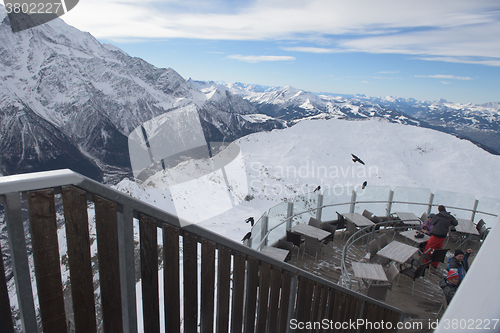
(421, 309)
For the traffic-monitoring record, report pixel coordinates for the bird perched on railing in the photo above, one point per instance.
(247, 236)
(251, 220)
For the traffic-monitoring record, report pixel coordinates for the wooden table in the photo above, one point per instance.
(275, 253)
(369, 271)
(358, 220)
(410, 234)
(397, 251)
(311, 231)
(408, 218)
(466, 227)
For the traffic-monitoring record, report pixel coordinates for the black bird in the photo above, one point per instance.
(357, 159)
(247, 236)
(364, 184)
(317, 188)
(251, 220)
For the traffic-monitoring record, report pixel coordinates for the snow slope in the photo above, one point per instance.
(284, 163)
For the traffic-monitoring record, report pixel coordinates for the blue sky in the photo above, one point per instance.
(420, 49)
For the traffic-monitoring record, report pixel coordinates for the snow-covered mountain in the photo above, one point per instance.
(68, 101)
(282, 164)
(478, 123)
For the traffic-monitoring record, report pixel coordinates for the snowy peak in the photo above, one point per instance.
(478, 123)
(93, 96)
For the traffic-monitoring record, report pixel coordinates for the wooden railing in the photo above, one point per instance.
(210, 283)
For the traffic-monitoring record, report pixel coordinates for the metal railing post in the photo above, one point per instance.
(474, 210)
(20, 266)
(320, 203)
(289, 213)
(431, 199)
(353, 201)
(264, 228)
(389, 203)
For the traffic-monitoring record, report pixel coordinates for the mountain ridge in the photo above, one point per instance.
(94, 96)
(87, 97)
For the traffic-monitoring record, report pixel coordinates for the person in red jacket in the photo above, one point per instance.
(441, 222)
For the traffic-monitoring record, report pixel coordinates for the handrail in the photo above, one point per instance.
(264, 239)
(299, 291)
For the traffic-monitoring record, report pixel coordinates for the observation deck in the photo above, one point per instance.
(348, 247)
(79, 256)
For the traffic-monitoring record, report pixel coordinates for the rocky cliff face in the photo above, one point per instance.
(68, 101)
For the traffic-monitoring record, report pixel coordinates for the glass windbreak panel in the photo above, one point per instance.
(257, 234)
(459, 205)
(411, 200)
(487, 205)
(303, 203)
(339, 197)
(374, 199)
(276, 216)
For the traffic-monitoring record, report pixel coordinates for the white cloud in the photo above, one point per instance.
(453, 30)
(449, 77)
(462, 60)
(311, 49)
(260, 58)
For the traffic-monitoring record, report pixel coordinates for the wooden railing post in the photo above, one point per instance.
(42, 216)
(79, 258)
(127, 269)
(149, 273)
(109, 268)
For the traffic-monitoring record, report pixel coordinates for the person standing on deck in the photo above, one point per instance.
(441, 222)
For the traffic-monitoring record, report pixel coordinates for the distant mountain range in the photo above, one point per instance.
(68, 101)
(477, 123)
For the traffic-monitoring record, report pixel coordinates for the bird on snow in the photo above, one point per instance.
(357, 159)
(251, 220)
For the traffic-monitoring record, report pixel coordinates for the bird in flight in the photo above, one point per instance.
(317, 188)
(364, 184)
(357, 159)
(251, 220)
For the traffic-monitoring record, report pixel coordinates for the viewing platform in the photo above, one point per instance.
(81, 256)
(397, 215)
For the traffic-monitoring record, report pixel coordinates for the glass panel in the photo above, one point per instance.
(257, 234)
(456, 203)
(341, 198)
(277, 215)
(488, 205)
(373, 193)
(303, 203)
(413, 200)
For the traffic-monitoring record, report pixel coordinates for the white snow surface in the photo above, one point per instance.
(284, 163)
